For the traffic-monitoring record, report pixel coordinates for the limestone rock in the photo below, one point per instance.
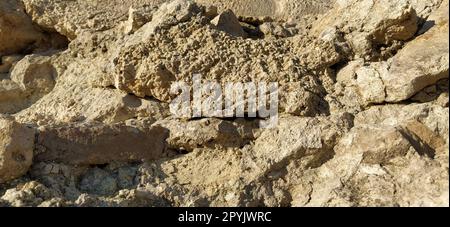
(136, 19)
(370, 83)
(30, 194)
(228, 23)
(30, 79)
(429, 52)
(99, 182)
(17, 32)
(368, 24)
(274, 9)
(91, 144)
(170, 13)
(16, 149)
(397, 80)
(362, 103)
(70, 18)
(300, 137)
(373, 166)
(208, 133)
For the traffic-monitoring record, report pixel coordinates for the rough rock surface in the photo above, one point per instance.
(16, 149)
(85, 97)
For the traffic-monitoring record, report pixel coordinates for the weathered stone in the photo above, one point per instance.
(208, 133)
(17, 32)
(429, 52)
(16, 149)
(228, 23)
(367, 24)
(91, 144)
(98, 182)
(300, 137)
(363, 103)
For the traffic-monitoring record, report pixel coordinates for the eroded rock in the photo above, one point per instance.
(90, 144)
(16, 149)
(367, 25)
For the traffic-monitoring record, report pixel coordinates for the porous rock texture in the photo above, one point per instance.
(85, 94)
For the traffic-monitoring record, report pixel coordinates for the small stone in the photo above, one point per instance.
(229, 23)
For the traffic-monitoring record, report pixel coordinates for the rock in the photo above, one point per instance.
(29, 194)
(397, 80)
(299, 138)
(208, 133)
(170, 13)
(367, 24)
(17, 32)
(370, 82)
(425, 8)
(377, 168)
(273, 29)
(91, 144)
(138, 68)
(80, 104)
(16, 149)
(30, 79)
(228, 23)
(8, 61)
(10, 96)
(432, 116)
(136, 19)
(348, 73)
(362, 103)
(278, 10)
(35, 75)
(429, 52)
(72, 18)
(99, 182)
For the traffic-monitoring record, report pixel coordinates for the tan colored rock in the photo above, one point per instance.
(17, 32)
(70, 18)
(136, 19)
(309, 138)
(30, 79)
(16, 149)
(386, 172)
(35, 75)
(367, 24)
(228, 23)
(209, 132)
(432, 116)
(275, 9)
(31, 193)
(139, 69)
(91, 144)
(370, 82)
(429, 52)
(425, 8)
(75, 99)
(11, 98)
(397, 79)
(106, 137)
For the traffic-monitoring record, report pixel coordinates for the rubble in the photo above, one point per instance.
(86, 90)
